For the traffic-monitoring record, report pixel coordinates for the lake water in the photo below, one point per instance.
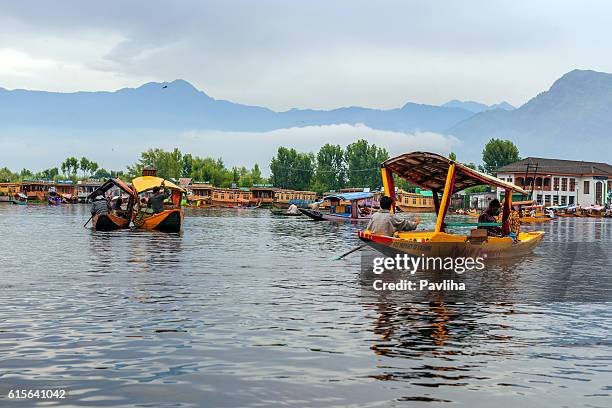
(247, 309)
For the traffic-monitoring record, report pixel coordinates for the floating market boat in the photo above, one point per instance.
(116, 219)
(171, 218)
(19, 199)
(343, 207)
(439, 174)
(283, 212)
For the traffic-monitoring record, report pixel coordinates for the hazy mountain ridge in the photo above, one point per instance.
(574, 115)
(477, 107)
(179, 105)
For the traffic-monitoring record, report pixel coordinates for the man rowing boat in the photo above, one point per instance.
(385, 223)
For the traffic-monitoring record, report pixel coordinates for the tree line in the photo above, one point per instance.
(331, 168)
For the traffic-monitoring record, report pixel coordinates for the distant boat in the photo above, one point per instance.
(20, 199)
(343, 207)
(283, 212)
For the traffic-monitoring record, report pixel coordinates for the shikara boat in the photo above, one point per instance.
(169, 220)
(19, 199)
(53, 198)
(439, 174)
(116, 219)
(343, 207)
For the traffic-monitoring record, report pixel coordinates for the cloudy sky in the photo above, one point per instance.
(318, 54)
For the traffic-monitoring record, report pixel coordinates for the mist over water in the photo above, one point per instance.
(247, 309)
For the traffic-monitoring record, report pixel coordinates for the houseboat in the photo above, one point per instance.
(231, 197)
(284, 198)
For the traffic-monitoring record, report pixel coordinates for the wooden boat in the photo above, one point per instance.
(339, 210)
(169, 220)
(54, 198)
(116, 219)
(439, 174)
(529, 220)
(283, 212)
(19, 199)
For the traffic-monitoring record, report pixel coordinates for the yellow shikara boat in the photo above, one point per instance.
(439, 174)
(171, 218)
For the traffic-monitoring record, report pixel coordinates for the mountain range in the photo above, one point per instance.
(573, 119)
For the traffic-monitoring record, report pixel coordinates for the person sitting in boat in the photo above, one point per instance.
(99, 205)
(489, 216)
(293, 209)
(118, 203)
(385, 223)
(156, 201)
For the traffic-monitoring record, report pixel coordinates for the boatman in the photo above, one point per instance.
(156, 201)
(293, 209)
(99, 205)
(385, 223)
(489, 216)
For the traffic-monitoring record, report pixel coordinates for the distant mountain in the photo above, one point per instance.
(179, 105)
(476, 107)
(572, 119)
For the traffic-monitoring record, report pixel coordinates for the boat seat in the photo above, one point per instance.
(478, 235)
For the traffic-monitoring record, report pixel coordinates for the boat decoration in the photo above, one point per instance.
(168, 220)
(441, 175)
(115, 219)
(343, 207)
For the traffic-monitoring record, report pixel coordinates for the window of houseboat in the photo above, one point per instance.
(564, 184)
(586, 187)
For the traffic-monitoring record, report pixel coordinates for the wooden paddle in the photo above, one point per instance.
(349, 252)
(84, 225)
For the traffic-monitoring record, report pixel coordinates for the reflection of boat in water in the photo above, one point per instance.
(20, 199)
(168, 220)
(117, 219)
(343, 207)
(439, 174)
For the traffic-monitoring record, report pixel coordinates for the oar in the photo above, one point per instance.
(84, 225)
(349, 252)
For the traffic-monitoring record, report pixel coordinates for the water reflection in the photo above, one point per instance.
(248, 309)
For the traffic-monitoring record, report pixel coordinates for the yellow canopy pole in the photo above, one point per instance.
(445, 196)
(387, 179)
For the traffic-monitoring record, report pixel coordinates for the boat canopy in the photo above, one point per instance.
(111, 183)
(350, 196)
(429, 170)
(146, 183)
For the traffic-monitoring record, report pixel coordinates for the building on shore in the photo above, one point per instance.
(284, 198)
(417, 201)
(263, 194)
(85, 188)
(553, 182)
(39, 189)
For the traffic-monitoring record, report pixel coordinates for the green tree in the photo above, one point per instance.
(212, 171)
(498, 153)
(330, 173)
(70, 166)
(452, 156)
(169, 165)
(363, 163)
(6, 175)
(84, 164)
(290, 169)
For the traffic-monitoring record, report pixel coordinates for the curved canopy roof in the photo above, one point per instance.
(145, 183)
(350, 196)
(110, 183)
(429, 170)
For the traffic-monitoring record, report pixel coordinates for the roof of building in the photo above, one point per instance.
(557, 166)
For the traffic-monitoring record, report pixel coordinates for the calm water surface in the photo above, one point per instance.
(245, 309)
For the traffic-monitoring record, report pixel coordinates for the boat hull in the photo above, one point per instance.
(109, 222)
(534, 219)
(318, 216)
(431, 244)
(166, 221)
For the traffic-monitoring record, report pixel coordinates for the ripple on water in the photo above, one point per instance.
(247, 309)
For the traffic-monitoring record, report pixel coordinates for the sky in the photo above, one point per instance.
(308, 54)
